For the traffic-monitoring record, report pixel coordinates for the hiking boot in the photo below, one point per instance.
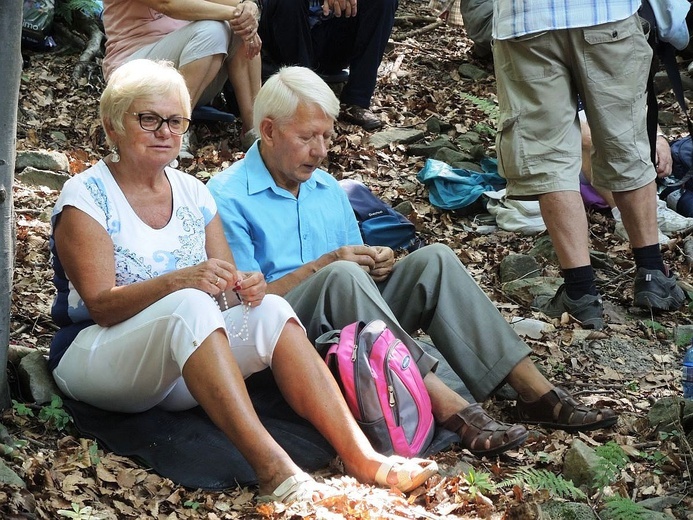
(588, 309)
(360, 116)
(655, 290)
(669, 221)
(620, 232)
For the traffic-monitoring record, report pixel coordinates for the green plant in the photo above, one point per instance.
(53, 415)
(612, 459)
(621, 508)
(81, 513)
(655, 326)
(669, 436)
(21, 409)
(633, 386)
(487, 106)
(483, 128)
(479, 482)
(536, 479)
(192, 504)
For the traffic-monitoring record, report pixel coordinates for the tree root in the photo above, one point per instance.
(421, 30)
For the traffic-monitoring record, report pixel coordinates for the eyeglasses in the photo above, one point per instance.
(152, 122)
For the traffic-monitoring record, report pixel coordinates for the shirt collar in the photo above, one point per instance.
(260, 179)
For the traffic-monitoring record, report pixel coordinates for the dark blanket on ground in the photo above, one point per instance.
(189, 449)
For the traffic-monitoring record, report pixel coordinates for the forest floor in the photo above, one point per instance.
(631, 365)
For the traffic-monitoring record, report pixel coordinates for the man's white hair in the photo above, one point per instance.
(288, 88)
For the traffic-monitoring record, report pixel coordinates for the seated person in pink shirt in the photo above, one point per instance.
(207, 41)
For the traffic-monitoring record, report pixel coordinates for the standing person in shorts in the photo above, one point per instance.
(545, 55)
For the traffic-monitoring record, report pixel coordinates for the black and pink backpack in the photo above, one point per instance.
(383, 387)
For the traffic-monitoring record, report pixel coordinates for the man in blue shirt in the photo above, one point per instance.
(546, 53)
(284, 216)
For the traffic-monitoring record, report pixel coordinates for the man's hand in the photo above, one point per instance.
(663, 160)
(365, 256)
(339, 7)
(384, 261)
(245, 20)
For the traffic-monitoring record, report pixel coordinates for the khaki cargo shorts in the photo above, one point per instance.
(539, 79)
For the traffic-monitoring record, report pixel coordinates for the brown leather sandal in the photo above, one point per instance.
(481, 434)
(557, 409)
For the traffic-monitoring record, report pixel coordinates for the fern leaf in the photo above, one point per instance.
(536, 479)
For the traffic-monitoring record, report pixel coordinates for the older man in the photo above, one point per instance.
(292, 221)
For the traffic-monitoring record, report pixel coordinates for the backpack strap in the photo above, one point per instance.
(666, 53)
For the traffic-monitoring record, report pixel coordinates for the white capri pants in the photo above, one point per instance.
(193, 42)
(138, 363)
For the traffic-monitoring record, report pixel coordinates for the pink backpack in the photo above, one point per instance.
(383, 388)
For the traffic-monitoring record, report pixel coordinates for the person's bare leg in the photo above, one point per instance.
(445, 402)
(564, 215)
(312, 392)
(215, 381)
(639, 214)
(528, 381)
(200, 73)
(246, 80)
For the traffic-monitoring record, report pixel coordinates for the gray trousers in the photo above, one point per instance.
(428, 290)
(477, 16)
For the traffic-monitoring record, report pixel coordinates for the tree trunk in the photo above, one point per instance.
(11, 15)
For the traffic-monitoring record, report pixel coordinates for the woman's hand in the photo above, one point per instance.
(253, 46)
(251, 288)
(212, 276)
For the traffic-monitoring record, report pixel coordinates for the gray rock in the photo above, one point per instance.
(543, 247)
(430, 149)
(452, 157)
(683, 334)
(42, 160)
(36, 379)
(469, 71)
(469, 137)
(462, 467)
(513, 267)
(17, 352)
(393, 136)
(433, 125)
(606, 514)
(660, 503)
(580, 464)
(7, 476)
(35, 177)
(567, 511)
(665, 414)
(467, 165)
(405, 208)
(526, 289)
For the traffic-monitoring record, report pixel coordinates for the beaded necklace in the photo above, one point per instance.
(241, 333)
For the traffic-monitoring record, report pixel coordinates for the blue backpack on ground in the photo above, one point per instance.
(380, 224)
(678, 189)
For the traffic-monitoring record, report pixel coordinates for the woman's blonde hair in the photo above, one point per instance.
(140, 79)
(289, 87)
